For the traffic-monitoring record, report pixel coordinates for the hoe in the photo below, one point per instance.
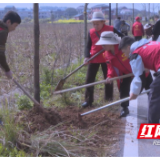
(62, 81)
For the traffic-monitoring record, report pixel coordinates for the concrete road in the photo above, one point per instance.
(134, 147)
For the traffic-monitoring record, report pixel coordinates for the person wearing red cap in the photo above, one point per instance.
(137, 29)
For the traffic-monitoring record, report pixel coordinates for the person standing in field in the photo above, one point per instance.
(156, 28)
(118, 65)
(9, 23)
(99, 26)
(117, 24)
(137, 29)
(124, 28)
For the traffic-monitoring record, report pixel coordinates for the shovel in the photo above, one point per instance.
(92, 84)
(111, 104)
(62, 81)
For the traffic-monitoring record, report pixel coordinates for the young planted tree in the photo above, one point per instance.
(85, 27)
(144, 5)
(36, 53)
(50, 116)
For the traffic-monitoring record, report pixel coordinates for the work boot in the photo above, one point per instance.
(124, 112)
(86, 104)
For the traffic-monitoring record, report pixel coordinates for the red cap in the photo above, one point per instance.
(138, 18)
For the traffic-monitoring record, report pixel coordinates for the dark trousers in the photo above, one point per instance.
(137, 38)
(149, 80)
(90, 78)
(154, 101)
(125, 33)
(155, 37)
(124, 90)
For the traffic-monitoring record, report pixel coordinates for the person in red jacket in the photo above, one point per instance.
(99, 26)
(137, 29)
(144, 54)
(118, 65)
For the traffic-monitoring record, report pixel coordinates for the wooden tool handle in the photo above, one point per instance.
(101, 51)
(111, 104)
(25, 92)
(92, 84)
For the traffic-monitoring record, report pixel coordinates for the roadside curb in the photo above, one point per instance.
(131, 129)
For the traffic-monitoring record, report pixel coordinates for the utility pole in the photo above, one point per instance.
(116, 9)
(36, 53)
(133, 14)
(153, 8)
(110, 14)
(149, 11)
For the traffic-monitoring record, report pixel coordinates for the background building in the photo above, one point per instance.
(55, 13)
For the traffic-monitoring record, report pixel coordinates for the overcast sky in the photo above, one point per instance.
(113, 5)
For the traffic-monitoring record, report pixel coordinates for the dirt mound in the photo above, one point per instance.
(69, 116)
(38, 120)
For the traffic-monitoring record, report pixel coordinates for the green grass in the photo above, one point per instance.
(23, 102)
(73, 98)
(11, 152)
(10, 132)
(69, 98)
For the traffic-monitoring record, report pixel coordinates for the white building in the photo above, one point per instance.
(9, 8)
(44, 11)
(25, 13)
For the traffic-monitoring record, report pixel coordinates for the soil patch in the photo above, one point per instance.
(106, 125)
(69, 116)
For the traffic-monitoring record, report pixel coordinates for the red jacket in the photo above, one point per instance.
(150, 54)
(95, 48)
(137, 29)
(118, 64)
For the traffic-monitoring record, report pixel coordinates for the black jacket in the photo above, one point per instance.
(3, 40)
(156, 30)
